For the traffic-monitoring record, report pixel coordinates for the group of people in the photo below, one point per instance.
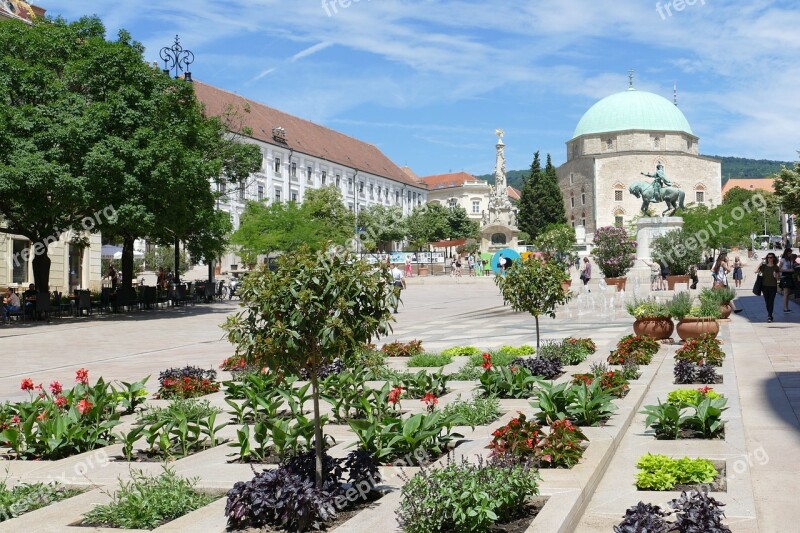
(475, 265)
(778, 274)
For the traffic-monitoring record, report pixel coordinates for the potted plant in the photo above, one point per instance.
(652, 318)
(673, 249)
(614, 252)
(722, 296)
(694, 321)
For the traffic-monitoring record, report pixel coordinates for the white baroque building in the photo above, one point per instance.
(619, 137)
(463, 190)
(298, 155)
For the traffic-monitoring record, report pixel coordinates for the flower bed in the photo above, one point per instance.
(613, 381)
(187, 382)
(640, 350)
(704, 349)
(523, 439)
(25, 498)
(689, 415)
(659, 472)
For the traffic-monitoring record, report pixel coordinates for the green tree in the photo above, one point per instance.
(283, 227)
(164, 257)
(558, 242)
(549, 200)
(678, 249)
(535, 286)
(314, 308)
(326, 205)
(460, 226)
(787, 188)
(427, 223)
(382, 226)
(526, 219)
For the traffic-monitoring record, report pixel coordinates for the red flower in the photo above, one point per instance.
(42, 416)
(27, 384)
(705, 390)
(394, 395)
(61, 402)
(55, 388)
(82, 376)
(487, 361)
(430, 400)
(84, 406)
(514, 422)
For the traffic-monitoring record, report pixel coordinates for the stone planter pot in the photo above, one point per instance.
(619, 283)
(672, 280)
(657, 328)
(424, 271)
(691, 328)
(726, 310)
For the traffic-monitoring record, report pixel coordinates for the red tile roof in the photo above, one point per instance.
(302, 135)
(764, 184)
(444, 181)
(513, 193)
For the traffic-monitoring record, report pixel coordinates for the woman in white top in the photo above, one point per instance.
(787, 281)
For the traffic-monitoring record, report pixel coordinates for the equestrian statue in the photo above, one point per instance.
(661, 190)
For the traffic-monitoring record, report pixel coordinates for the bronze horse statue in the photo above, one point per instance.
(671, 195)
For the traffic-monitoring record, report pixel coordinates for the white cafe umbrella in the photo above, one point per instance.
(108, 251)
(136, 255)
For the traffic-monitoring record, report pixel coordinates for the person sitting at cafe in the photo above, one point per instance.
(12, 304)
(112, 276)
(29, 297)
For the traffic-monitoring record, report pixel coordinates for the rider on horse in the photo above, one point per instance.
(660, 180)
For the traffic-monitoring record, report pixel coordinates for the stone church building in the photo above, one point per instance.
(619, 137)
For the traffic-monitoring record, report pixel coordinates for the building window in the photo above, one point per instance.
(397, 197)
(476, 206)
(323, 177)
(222, 187)
(688, 145)
(277, 166)
(572, 219)
(700, 196)
(452, 202)
(242, 193)
(617, 195)
(260, 192)
(571, 178)
(338, 180)
(618, 221)
(294, 196)
(293, 171)
(371, 192)
(277, 195)
(609, 144)
(583, 219)
(20, 261)
(309, 173)
(572, 201)
(656, 142)
(409, 196)
(360, 187)
(583, 198)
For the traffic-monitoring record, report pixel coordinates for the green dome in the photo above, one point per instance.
(632, 110)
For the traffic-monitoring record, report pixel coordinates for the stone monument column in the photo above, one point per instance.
(499, 227)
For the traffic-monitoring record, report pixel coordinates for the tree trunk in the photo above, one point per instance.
(177, 260)
(317, 426)
(41, 271)
(537, 332)
(127, 264)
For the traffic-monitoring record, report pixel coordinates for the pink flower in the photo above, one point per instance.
(15, 419)
(61, 402)
(82, 376)
(27, 384)
(55, 388)
(84, 406)
(42, 416)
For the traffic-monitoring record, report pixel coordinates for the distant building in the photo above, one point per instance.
(463, 190)
(19, 10)
(619, 137)
(299, 155)
(763, 184)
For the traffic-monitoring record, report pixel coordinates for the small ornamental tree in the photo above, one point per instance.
(614, 251)
(311, 310)
(535, 286)
(557, 241)
(678, 249)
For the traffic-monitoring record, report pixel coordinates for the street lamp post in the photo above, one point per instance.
(177, 60)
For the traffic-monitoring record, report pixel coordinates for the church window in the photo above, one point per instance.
(656, 142)
(571, 178)
(583, 219)
(609, 144)
(618, 195)
(618, 221)
(572, 201)
(572, 219)
(583, 198)
(688, 144)
(700, 196)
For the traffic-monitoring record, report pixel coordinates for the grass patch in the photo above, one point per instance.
(430, 360)
(146, 502)
(25, 498)
(192, 408)
(467, 373)
(477, 412)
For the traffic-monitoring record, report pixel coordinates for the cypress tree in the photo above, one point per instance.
(549, 199)
(526, 215)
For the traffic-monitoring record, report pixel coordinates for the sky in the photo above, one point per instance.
(429, 81)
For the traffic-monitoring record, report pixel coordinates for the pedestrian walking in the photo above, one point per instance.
(408, 273)
(769, 273)
(586, 273)
(786, 284)
(399, 283)
(720, 272)
(471, 265)
(737, 272)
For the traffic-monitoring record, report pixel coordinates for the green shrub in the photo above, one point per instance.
(702, 420)
(467, 373)
(429, 360)
(498, 359)
(680, 306)
(519, 351)
(436, 501)
(686, 397)
(24, 498)
(462, 351)
(585, 405)
(647, 308)
(659, 472)
(191, 408)
(566, 352)
(475, 412)
(402, 349)
(145, 502)
(504, 382)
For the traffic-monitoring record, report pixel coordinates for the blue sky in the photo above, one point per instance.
(428, 81)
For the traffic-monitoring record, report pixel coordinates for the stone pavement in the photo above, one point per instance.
(442, 313)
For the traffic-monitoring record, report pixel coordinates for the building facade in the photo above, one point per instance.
(19, 10)
(616, 140)
(463, 190)
(298, 155)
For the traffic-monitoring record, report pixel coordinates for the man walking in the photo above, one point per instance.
(399, 282)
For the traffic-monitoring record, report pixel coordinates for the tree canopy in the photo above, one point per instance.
(541, 202)
(787, 188)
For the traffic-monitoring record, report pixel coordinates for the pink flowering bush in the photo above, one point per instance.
(614, 252)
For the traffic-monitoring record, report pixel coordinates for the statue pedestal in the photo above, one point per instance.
(495, 236)
(648, 229)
